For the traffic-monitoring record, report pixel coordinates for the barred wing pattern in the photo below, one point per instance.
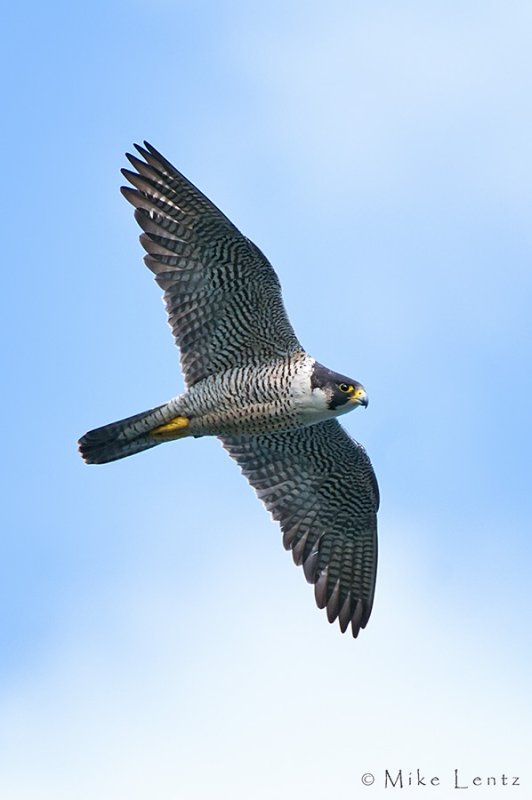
(319, 484)
(222, 295)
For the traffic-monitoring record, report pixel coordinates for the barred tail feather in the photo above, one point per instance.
(123, 438)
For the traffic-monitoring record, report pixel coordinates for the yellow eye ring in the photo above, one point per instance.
(347, 388)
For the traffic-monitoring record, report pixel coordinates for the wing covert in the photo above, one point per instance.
(320, 485)
(222, 295)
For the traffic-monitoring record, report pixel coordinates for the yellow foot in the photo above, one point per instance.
(171, 430)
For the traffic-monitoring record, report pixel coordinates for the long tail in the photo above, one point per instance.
(132, 435)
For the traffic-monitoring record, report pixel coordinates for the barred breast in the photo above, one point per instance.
(251, 400)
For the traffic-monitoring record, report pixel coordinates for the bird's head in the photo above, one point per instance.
(342, 394)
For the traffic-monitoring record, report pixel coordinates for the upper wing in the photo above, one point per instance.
(319, 484)
(222, 295)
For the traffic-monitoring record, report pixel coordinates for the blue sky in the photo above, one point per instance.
(157, 640)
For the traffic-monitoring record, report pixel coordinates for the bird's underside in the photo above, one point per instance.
(250, 382)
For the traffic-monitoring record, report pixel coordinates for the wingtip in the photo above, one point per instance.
(130, 194)
(356, 619)
(145, 149)
(140, 149)
(155, 159)
(137, 163)
(333, 602)
(320, 588)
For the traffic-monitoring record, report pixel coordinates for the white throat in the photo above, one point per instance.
(310, 404)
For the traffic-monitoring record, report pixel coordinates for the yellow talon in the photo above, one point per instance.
(172, 429)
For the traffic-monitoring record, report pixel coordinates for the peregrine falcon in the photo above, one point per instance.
(251, 383)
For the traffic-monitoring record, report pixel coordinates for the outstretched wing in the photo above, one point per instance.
(222, 295)
(320, 485)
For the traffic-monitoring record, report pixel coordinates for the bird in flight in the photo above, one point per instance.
(251, 383)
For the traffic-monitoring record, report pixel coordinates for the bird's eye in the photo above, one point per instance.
(345, 387)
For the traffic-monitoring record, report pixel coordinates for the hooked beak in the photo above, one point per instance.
(360, 397)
